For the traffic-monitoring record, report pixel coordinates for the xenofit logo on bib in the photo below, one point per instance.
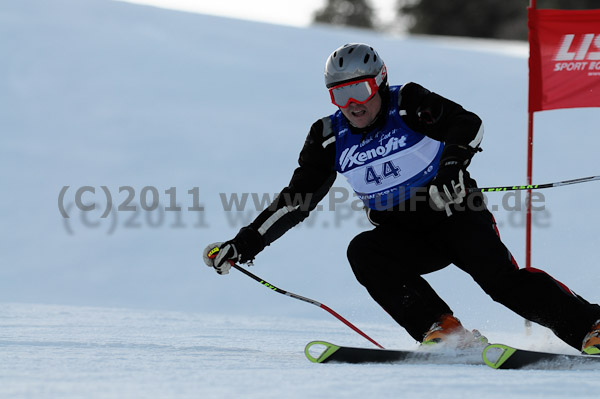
(351, 156)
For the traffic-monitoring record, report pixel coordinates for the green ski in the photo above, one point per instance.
(500, 356)
(330, 353)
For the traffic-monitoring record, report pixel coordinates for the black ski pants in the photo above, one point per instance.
(390, 260)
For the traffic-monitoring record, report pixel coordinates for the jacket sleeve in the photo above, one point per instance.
(309, 184)
(441, 119)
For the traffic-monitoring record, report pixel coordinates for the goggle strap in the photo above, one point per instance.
(380, 76)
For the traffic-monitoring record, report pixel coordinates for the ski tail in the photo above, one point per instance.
(330, 349)
(497, 361)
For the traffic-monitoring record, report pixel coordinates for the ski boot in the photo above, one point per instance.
(591, 342)
(450, 332)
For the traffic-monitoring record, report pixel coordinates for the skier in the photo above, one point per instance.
(405, 151)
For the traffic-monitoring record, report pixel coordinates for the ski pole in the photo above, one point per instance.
(301, 298)
(213, 254)
(532, 186)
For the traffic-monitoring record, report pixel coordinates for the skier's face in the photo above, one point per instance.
(361, 115)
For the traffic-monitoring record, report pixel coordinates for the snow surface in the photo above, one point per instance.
(78, 352)
(100, 93)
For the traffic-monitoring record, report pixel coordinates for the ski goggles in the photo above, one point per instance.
(356, 91)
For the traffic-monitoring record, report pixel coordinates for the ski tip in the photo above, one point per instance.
(324, 351)
(495, 355)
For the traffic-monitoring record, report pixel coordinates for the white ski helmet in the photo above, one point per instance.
(353, 61)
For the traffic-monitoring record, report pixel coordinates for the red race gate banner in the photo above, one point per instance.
(564, 60)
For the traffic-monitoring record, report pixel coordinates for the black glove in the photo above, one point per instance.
(242, 249)
(448, 186)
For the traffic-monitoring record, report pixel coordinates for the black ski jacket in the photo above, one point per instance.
(423, 111)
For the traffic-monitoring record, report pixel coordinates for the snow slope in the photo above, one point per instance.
(99, 93)
(73, 352)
